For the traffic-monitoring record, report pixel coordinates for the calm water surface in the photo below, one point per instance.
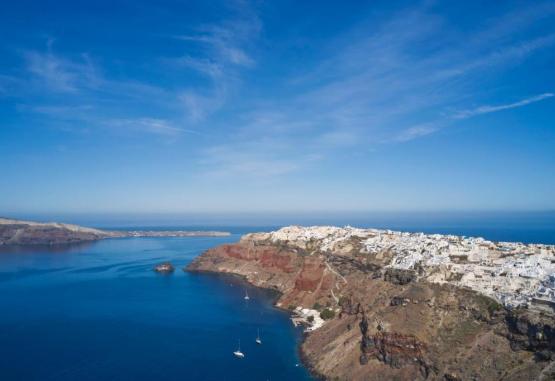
(98, 311)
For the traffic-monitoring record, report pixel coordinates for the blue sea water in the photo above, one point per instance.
(97, 311)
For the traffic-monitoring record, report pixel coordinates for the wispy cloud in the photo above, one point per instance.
(152, 125)
(88, 115)
(225, 48)
(59, 74)
(90, 98)
(211, 69)
(378, 82)
(223, 44)
(228, 41)
(375, 88)
(383, 81)
(421, 130)
(418, 131)
(489, 109)
(200, 105)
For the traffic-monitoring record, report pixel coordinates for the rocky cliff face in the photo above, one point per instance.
(302, 280)
(391, 323)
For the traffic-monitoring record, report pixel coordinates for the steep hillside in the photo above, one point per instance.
(403, 306)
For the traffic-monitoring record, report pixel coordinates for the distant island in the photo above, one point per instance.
(18, 232)
(387, 305)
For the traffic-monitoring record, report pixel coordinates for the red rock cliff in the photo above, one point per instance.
(392, 326)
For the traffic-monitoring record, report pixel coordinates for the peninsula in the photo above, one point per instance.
(387, 305)
(18, 232)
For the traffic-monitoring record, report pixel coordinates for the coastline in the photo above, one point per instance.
(31, 233)
(403, 305)
(194, 320)
(389, 322)
(275, 295)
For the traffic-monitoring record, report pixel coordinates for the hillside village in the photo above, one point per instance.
(515, 274)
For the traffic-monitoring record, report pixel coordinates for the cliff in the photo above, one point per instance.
(406, 306)
(18, 232)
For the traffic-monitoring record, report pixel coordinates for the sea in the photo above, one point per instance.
(98, 311)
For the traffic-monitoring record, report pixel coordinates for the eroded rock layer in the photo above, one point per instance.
(394, 322)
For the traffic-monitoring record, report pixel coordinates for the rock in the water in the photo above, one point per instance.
(164, 268)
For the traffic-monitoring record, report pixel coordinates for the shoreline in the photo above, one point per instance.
(276, 294)
(30, 233)
(393, 323)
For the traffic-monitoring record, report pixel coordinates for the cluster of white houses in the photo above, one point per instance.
(515, 274)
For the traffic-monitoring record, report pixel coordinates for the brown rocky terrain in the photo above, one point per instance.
(390, 324)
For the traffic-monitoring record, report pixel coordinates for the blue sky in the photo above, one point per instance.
(183, 106)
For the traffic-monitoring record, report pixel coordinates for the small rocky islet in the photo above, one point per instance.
(164, 268)
(406, 306)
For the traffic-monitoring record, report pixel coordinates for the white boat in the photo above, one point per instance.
(258, 340)
(238, 352)
(246, 295)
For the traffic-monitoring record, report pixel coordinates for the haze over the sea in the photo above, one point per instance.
(528, 227)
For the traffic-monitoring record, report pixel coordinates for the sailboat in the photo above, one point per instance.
(246, 295)
(258, 340)
(238, 352)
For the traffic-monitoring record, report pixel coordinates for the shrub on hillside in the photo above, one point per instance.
(327, 314)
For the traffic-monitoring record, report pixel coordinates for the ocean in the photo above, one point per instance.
(97, 311)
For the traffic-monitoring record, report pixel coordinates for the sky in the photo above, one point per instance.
(289, 106)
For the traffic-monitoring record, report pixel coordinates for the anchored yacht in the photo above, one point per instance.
(238, 352)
